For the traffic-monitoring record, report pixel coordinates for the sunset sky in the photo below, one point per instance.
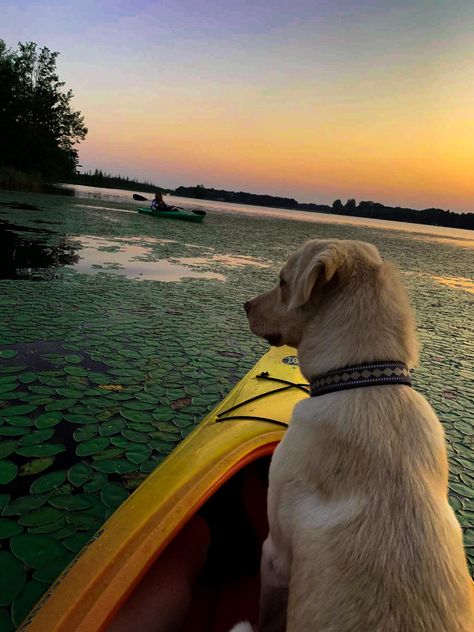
(312, 99)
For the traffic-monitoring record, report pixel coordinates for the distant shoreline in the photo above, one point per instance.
(367, 209)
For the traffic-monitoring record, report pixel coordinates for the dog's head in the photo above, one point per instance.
(329, 286)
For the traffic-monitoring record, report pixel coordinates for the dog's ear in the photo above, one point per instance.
(319, 269)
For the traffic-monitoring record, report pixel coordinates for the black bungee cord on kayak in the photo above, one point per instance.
(264, 376)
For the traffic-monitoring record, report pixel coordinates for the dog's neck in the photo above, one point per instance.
(372, 374)
(344, 335)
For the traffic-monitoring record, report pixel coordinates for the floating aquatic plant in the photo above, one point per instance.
(101, 375)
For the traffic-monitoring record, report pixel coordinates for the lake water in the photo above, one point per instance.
(119, 332)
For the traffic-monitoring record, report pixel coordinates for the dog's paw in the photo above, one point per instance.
(243, 626)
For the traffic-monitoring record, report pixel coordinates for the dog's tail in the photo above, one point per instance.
(243, 626)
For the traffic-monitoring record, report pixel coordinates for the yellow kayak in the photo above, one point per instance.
(203, 507)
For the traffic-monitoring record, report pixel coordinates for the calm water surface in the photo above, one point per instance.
(119, 332)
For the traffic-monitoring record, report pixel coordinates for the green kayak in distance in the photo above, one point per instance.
(175, 213)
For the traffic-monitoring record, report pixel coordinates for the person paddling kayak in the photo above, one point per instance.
(158, 203)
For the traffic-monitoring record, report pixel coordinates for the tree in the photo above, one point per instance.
(350, 205)
(38, 127)
(337, 206)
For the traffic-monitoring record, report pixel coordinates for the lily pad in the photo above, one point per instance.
(135, 436)
(96, 483)
(83, 433)
(111, 427)
(469, 537)
(62, 404)
(37, 436)
(139, 405)
(164, 414)
(166, 436)
(19, 409)
(109, 453)
(48, 449)
(13, 431)
(70, 503)
(120, 441)
(97, 508)
(72, 393)
(462, 490)
(78, 541)
(148, 466)
(47, 420)
(19, 422)
(8, 354)
(107, 414)
(36, 466)
(113, 466)
(464, 427)
(14, 368)
(162, 446)
(41, 516)
(37, 400)
(136, 415)
(36, 550)
(75, 370)
(41, 390)
(4, 500)
(92, 446)
(49, 573)
(47, 482)
(7, 447)
(83, 521)
(28, 378)
(24, 602)
(138, 453)
(23, 504)
(9, 528)
(80, 419)
(113, 495)
(12, 577)
(49, 527)
(8, 471)
(7, 379)
(8, 387)
(65, 532)
(72, 358)
(79, 474)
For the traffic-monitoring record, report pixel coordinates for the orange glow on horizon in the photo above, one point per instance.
(402, 148)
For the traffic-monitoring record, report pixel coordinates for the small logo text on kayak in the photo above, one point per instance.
(291, 360)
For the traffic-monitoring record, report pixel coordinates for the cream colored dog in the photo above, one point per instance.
(362, 538)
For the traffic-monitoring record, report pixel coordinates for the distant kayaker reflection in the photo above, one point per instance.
(158, 204)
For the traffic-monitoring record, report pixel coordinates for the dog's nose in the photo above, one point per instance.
(247, 306)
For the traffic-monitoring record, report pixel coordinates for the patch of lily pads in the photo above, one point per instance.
(102, 376)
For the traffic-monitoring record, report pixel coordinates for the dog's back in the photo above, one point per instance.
(371, 530)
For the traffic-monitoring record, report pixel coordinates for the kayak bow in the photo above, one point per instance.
(220, 471)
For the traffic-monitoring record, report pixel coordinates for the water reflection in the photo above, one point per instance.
(462, 242)
(227, 260)
(24, 254)
(458, 283)
(131, 258)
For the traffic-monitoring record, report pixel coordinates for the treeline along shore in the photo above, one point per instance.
(374, 210)
(99, 178)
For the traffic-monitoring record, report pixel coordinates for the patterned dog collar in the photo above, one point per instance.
(372, 374)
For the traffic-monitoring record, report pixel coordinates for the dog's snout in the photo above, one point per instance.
(247, 306)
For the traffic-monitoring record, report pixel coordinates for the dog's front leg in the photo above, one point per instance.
(273, 589)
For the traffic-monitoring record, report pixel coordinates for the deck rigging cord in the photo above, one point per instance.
(224, 415)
